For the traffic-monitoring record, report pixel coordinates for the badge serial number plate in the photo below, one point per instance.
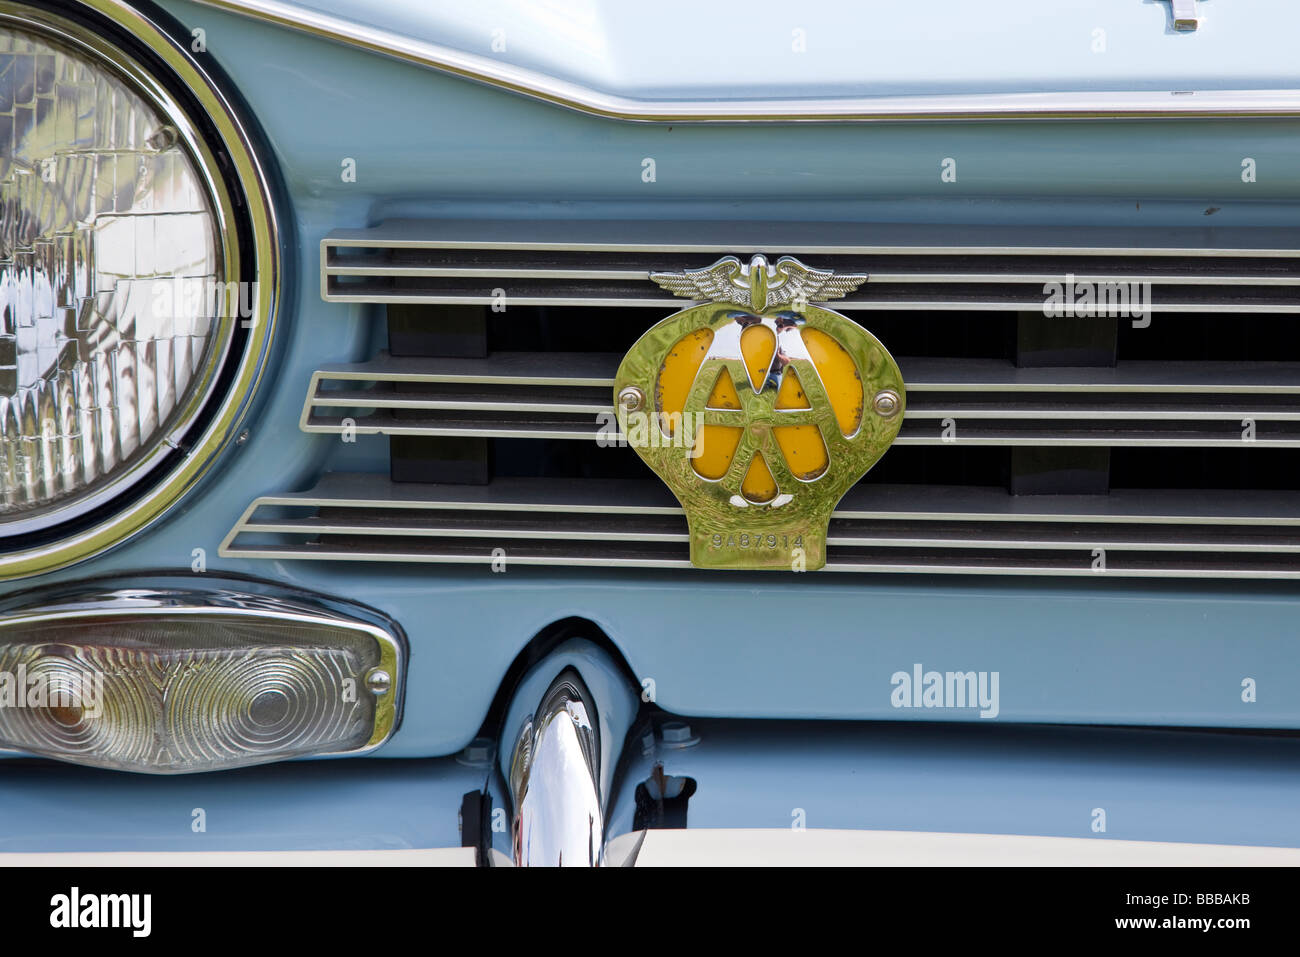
(755, 540)
(792, 549)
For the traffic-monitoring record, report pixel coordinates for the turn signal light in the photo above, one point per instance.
(174, 682)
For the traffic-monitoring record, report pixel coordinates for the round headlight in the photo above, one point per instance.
(137, 278)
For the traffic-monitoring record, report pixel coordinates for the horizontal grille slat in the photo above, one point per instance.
(873, 295)
(974, 432)
(506, 525)
(876, 528)
(407, 262)
(358, 490)
(526, 396)
(911, 268)
(574, 369)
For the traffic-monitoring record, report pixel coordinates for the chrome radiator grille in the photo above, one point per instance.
(1217, 377)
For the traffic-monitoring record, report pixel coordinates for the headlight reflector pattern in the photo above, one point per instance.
(139, 275)
(105, 220)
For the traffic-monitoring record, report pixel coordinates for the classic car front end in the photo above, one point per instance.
(844, 433)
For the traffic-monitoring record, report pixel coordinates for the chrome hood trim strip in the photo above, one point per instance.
(1073, 105)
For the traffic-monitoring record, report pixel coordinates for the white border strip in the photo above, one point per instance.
(424, 857)
(697, 847)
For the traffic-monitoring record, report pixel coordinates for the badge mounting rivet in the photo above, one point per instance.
(631, 398)
(886, 403)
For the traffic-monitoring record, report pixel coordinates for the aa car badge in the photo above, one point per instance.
(758, 408)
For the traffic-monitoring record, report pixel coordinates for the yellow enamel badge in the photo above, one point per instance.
(758, 408)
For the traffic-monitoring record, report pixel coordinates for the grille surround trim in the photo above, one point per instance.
(916, 529)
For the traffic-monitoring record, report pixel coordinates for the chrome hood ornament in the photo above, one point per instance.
(759, 409)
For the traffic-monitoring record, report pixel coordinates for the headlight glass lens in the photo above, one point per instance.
(111, 279)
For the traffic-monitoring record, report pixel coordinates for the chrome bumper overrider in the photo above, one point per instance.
(554, 780)
(571, 712)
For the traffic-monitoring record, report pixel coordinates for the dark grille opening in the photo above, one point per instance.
(565, 329)
(944, 465)
(1227, 469)
(556, 459)
(1130, 468)
(987, 335)
(1222, 337)
(916, 465)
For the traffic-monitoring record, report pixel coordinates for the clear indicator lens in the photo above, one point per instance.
(111, 279)
(189, 693)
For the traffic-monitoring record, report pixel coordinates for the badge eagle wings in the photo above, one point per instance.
(758, 408)
(730, 280)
